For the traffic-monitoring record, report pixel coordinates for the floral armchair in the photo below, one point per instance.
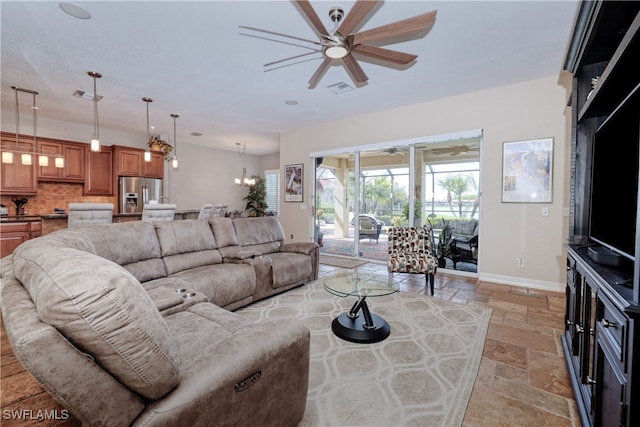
(410, 252)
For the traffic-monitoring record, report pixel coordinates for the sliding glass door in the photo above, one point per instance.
(361, 193)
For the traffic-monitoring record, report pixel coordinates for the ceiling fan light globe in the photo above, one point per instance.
(336, 52)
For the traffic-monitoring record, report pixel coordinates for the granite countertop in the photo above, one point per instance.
(20, 218)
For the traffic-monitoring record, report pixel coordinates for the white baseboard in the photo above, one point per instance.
(526, 283)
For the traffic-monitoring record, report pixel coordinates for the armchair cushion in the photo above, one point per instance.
(410, 251)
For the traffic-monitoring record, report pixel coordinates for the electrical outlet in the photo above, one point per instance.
(566, 211)
(544, 212)
(520, 262)
(292, 237)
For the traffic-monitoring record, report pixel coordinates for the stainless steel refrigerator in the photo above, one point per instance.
(135, 192)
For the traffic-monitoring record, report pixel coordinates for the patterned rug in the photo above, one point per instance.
(422, 374)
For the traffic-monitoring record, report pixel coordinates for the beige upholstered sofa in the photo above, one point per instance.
(129, 324)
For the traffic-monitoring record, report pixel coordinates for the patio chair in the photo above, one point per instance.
(410, 252)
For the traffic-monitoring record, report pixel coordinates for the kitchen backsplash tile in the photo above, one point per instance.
(53, 195)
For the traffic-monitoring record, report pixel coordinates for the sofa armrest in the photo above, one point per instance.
(306, 248)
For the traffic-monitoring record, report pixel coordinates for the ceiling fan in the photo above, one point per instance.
(455, 150)
(343, 43)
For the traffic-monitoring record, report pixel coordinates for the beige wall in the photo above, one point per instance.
(529, 110)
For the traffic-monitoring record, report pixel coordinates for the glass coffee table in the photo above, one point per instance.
(359, 324)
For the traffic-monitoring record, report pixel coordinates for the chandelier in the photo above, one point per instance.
(25, 151)
(244, 180)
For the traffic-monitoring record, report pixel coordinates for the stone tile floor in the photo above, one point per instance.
(522, 381)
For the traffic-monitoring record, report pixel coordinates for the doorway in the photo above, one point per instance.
(362, 192)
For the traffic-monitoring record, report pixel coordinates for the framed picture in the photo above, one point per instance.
(527, 171)
(293, 182)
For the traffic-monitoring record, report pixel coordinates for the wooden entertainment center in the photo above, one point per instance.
(602, 322)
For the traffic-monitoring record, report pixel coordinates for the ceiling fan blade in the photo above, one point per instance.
(352, 66)
(313, 82)
(278, 34)
(291, 57)
(312, 16)
(401, 28)
(355, 16)
(384, 54)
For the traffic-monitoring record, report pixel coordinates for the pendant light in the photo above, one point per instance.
(244, 180)
(147, 153)
(174, 161)
(95, 140)
(27, 153)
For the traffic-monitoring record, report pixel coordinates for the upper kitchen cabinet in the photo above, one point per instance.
(99, 174)
(155, 168)
(16, 177)
(130, 162)
(74, 161)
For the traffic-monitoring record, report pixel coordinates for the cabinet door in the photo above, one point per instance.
(99, 174)
(16, 178)
(73, 163)
(155, 168)
(610, 408)
(50, 171)
(12, 235)
(129, 162)
(74, 168)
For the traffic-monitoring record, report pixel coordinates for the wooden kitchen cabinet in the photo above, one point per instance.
(130, 162)
(74, 161)
(155, 168)
(99, 172)
(12, 234)
(16, 178)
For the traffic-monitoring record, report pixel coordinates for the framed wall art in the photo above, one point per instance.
(527, 171)
(293, 182)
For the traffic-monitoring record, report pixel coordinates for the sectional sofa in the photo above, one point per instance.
(132, 323)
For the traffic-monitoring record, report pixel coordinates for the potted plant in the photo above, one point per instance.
(157, 144)
(256, 199)
(442, 248)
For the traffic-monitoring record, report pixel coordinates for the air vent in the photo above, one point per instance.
(196, 134)
(339, 88)
(85, 95)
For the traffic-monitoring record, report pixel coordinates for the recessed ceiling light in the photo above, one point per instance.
(291, 102)
(74, 10)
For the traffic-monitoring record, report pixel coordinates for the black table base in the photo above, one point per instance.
(360, 325)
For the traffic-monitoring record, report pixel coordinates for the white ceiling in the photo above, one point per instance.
(192, 60)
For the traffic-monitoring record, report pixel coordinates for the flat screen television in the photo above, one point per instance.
(614, 179)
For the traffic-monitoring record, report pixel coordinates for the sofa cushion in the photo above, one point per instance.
(179, 237)
(186, 244)
(289, 267)
(256, 231)
(133, 245)
(104, 311)
(223, 231)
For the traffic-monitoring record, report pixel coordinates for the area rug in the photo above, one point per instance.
(336, 261)
(421, 375)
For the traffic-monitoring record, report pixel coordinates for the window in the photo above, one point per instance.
(272, 178)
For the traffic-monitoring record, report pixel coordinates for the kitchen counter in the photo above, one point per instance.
(20, 218)
(56, 221)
